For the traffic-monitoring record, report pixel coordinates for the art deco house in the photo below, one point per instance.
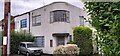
(52, 25)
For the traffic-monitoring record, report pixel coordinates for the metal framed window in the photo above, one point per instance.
(81, 21)
(59, 16)
(36, 20)
(23, 23)
(39, 41)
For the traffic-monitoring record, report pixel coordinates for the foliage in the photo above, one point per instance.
(17, 37)
(105, 17)
(67, 49)
(82, 37)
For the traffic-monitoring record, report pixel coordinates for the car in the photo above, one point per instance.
(29, 49)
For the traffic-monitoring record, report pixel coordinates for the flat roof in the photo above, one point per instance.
(45, 6)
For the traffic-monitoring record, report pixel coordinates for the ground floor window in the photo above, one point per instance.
(39, 41)
(51, 43)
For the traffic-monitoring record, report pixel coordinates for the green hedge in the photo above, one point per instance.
(17, 37)
(82, 37)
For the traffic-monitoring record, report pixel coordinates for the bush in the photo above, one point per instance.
(82, 37)
(69, 49)
(17, 37)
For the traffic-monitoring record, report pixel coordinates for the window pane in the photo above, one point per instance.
(23, 23)
(51, 17)
(39, 41)
(60, 16)
(51, 43)
(60, 41)
(36, 20)
(81, 21)
(67, 16)
(33, 21)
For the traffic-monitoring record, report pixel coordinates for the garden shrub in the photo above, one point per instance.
(82, 37)
(69, 49)
(17, 37)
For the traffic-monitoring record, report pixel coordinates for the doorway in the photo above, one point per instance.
(60, 40)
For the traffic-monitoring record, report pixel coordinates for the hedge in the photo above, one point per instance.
(82, 37)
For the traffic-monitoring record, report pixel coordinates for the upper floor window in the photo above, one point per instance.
(36, 20)
(23, 23)
(81, 21)
(59, 16)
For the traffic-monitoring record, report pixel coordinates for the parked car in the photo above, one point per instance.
(29, 49)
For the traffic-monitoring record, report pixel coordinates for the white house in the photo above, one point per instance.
(52, 25)
(22, 22)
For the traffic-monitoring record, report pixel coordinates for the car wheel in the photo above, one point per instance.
(27, 54)
(18, 52)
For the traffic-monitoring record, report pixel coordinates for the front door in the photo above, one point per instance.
(60, 40)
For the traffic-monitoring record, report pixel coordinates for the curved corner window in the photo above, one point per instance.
(59, 16)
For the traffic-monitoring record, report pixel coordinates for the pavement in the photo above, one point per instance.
(24, 55)
(17, 55)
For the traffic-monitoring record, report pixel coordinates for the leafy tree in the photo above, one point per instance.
(82, 37)
(105, 17)
(17, 37)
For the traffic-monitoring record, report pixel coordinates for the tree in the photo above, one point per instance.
(82, 37)
(17, 37)
(105, 17)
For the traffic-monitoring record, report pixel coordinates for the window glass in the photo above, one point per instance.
(51, 16)
(67, 17)
(59, 16)
(23, 23)
(33, 21)
(81, 21)
(36, 20)
(60, 40)
(51, 43)
(39, 41)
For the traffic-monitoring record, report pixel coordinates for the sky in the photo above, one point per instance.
(22, 6)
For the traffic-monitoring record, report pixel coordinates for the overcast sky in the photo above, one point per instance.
(22, 6)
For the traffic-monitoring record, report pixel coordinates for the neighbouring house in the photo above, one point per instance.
(22, 22)
(52, 25)
(12, 24)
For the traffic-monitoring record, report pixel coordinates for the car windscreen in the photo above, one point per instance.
(31, 45)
